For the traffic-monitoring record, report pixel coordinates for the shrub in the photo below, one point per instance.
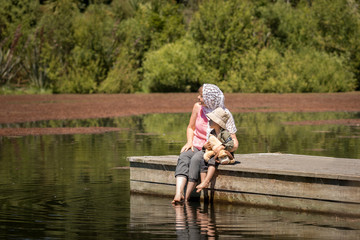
(173, 68)
(318, 71)
(122, 78)
(78, 78)
(94, 40)
(9, 61)
(293, 27)
(305, 70)
(224, 29)
(329, 27)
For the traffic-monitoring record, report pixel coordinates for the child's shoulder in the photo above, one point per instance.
(225, 133)
(224, 130)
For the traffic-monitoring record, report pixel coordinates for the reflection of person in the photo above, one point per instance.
(188, 165)
(219, 134)
(194, 223)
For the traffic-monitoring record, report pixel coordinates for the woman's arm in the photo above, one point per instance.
(191, 128)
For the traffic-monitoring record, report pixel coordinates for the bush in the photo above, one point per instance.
(306, 70)
(122, 78)
(290, 27)
(329, 27)
(92, 55)
(78, 79)
(94, 40)
(256, 71)
(173, 68)
(159, 45)
(224, 29)
(9, 62)
(317, 71)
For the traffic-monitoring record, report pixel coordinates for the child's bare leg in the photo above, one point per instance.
(209, 175)
(190, 187)
(206, 194)
(202, 176)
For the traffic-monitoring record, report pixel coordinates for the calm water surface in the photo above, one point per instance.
(77, 186)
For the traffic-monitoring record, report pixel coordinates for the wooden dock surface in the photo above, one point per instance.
(299, 182)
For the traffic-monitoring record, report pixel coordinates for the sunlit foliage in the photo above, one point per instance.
(127, 46)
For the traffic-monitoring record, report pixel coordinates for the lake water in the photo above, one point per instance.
(77, 186)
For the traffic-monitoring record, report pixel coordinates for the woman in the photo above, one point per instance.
(188, 165)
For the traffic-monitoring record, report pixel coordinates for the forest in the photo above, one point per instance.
(145, 46)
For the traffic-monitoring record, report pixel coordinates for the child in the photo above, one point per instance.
(218, 119)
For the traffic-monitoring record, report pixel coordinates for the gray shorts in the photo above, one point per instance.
(188, 164)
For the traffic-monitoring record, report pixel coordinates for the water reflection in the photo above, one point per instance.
(193, 222)
(257, 133)
(77, 186)
(197, 220)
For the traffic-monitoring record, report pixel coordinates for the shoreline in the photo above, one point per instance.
(29, 108)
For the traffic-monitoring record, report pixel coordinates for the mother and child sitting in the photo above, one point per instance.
(196, 156)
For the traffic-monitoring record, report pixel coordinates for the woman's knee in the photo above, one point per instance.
(198, 157)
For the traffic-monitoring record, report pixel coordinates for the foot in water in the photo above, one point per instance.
(201, 186)
(178, 200)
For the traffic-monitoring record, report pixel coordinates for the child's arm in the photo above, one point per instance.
(227, 140)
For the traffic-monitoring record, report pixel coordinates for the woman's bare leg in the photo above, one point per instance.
(180, 185)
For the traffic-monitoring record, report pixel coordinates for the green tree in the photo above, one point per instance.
(51, 44)
(339, 28)
(173, 68)
(290, 27)
(9, 62)
(122, 77)
(93, 53)
(154, 24)
(304, 70)
(158, 45)
(223, 29)
(328, 26)
(15, 13)
(17, 22)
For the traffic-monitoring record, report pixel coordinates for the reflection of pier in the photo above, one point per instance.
(298, 182)
(156, 217)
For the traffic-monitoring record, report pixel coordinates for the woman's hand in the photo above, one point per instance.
(186, 147)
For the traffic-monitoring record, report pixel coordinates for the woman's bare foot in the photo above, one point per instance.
(177, 200)
(201, 186)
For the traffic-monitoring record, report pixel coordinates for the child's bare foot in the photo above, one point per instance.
(177, 200)
(201, 186)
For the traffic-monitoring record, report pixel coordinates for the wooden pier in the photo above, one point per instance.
(287, 181)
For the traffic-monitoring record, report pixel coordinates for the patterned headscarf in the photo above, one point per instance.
(214, 98)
